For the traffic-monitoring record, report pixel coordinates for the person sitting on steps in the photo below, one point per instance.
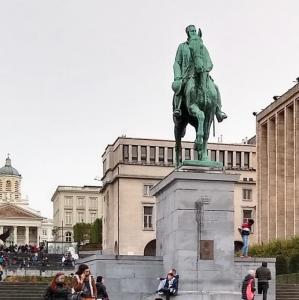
(168, 286)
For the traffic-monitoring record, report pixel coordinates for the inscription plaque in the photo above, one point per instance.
(207, 249)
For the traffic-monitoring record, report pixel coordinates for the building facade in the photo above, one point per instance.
(74, 204)
(278, 167)
(25, 224)
(132, 166)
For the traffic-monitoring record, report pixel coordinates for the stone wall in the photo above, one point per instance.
(126, 277)
(134, 277)
(242, 266)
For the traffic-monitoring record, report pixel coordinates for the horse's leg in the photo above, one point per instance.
(207, 126)
(179, 132)
(195, 111)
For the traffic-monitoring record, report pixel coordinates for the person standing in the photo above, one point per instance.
(101, 289)
(84, 284)
(248, 286)
(263, 275)
(58, 290)
(245, 231)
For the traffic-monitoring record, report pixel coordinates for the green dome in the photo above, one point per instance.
(8, 169)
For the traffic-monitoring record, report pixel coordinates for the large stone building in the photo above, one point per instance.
(132, 166)
(278, 167)
(26, 225)
(74, 204)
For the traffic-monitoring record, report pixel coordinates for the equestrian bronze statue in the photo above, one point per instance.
(196, 99)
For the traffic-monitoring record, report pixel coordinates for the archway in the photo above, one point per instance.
(150, 248)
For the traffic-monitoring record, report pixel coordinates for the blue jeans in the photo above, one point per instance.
(245, 239)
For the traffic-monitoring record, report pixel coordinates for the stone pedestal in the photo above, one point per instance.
(195, 231)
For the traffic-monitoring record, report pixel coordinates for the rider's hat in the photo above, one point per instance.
(176, 86)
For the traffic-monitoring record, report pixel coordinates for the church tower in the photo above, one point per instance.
(10, 183)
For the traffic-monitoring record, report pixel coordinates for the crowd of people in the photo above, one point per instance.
(84, 287)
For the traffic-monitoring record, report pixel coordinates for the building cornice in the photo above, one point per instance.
(291, 93)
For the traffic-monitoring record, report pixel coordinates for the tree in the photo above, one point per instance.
(82, 232)
(96, 232)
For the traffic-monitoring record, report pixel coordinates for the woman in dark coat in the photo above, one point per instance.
(57, 290)
(101, 289)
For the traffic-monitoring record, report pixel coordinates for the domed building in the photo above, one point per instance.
(26, 225)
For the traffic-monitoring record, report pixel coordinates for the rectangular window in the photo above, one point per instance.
(213, 155)
(93, 217)
(170, 155)
(126, 153)
(187, 154)
(147, 217)
(229, 159)
(146, 189)
(135, 153)
(68, 218)
(80, 201)
(221, 157)
(143, 154)
(246, 160)
(238, 159)
(247, 194)
(44, 231)
(93, 202)
(68, 201)
(247, 214)
(80, 217)
(161, 154)
(152, 155)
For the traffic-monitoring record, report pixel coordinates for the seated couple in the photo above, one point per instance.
(169, 286)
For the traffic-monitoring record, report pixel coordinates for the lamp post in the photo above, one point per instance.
(62, 235)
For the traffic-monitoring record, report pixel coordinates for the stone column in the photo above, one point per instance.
(39, 233)
(225, 158)
(1, 231)
(234, 158)
(27, 235)
(15, 235)
(242, 159)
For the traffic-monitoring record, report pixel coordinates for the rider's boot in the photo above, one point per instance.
(177, 112)
(220, 115)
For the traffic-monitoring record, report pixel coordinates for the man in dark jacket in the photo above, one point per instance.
(263, 274)
(248, 284)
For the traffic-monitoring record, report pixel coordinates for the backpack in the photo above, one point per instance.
(249, 292)
(1, 260)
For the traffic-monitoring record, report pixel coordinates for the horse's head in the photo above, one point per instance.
(196, 46)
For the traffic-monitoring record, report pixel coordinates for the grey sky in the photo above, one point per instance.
(74, 75)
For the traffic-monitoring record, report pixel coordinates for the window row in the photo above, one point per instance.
(149, 154)
(9, 196)
(153, 154)
(8, 186)
(229, 160)
(81, 218)
(81, 201)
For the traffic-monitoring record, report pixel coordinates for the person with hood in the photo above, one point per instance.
(248, 286)
(101, 289)
(263, 274)
(58, 290)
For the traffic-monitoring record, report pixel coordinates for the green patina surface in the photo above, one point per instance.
(196, 99)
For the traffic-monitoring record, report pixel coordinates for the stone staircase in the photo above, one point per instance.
(287, 292)
(24, 291)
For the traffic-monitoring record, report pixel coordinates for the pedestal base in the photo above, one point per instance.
(195, 229)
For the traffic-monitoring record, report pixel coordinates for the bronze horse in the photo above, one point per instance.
(198, 106)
